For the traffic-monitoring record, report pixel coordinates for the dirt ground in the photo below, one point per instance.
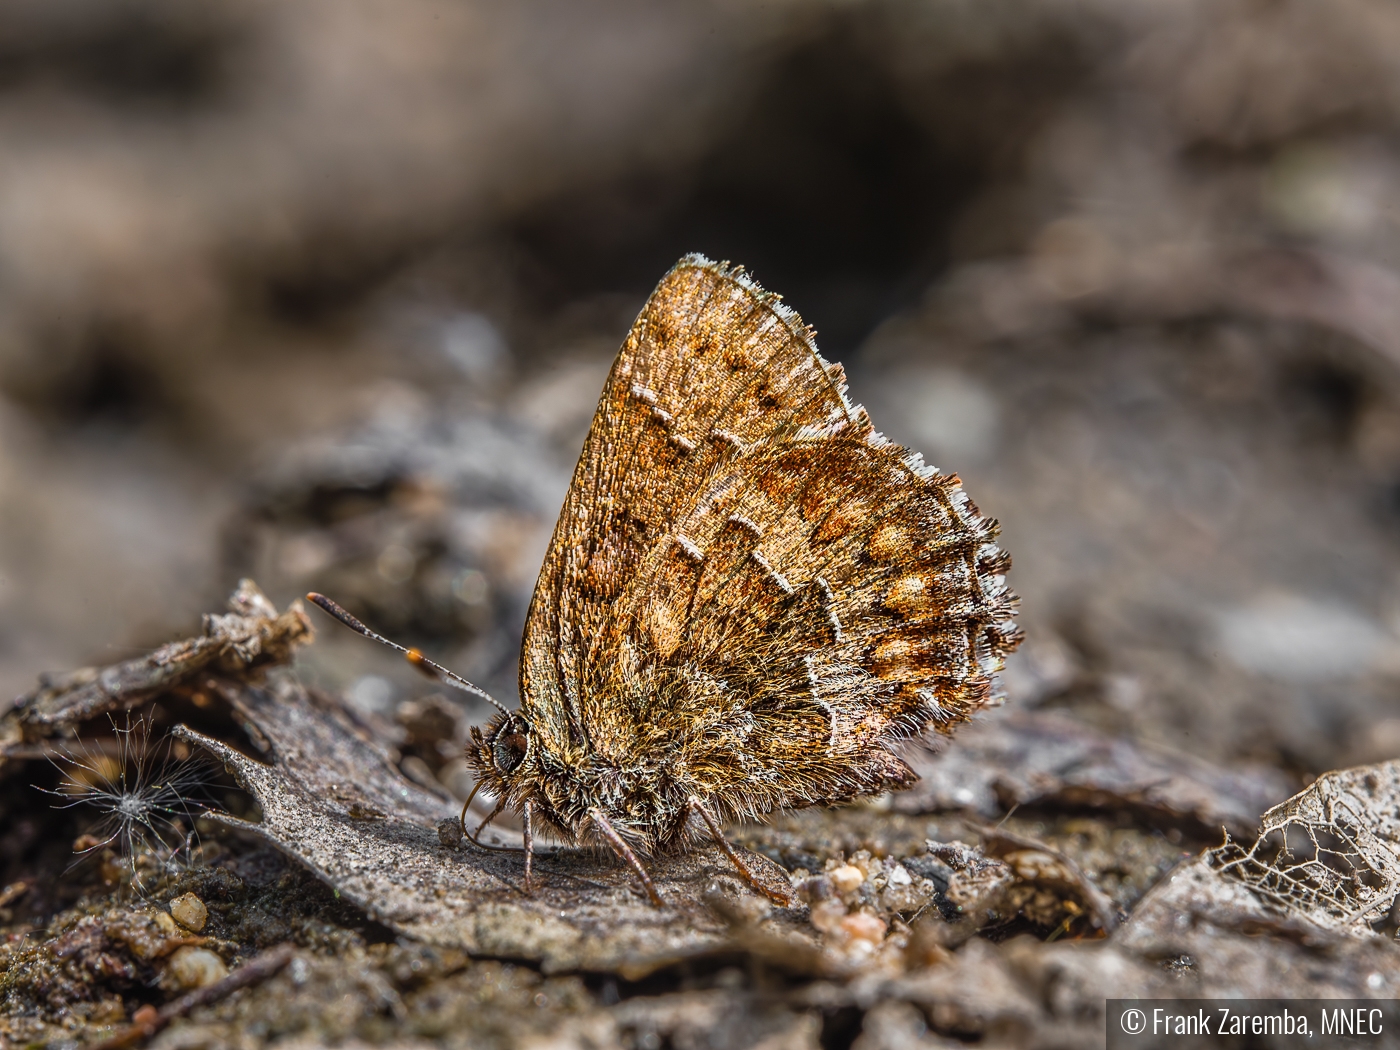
(323, 294)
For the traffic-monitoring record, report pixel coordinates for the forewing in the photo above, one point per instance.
(712, 365)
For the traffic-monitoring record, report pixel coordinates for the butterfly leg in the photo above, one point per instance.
(527, 813)
(624, 851)
(482, 826)
(717, 834)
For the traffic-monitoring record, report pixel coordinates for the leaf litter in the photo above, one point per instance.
(1009, 938)
(1330, 854)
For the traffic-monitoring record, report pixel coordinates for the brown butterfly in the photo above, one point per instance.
(749, 599)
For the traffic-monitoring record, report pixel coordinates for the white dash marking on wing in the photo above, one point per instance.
(688, 545)
(829, 606)
(728, 437)
(746, 523)
(644, 394)
(778, 577)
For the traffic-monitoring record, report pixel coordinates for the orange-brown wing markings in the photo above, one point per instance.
(833, 635)
(712, 365)
(797, 542)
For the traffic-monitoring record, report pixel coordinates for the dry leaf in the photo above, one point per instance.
(1330, 854)
(332, 799)
(251, 635)
(1027, 758)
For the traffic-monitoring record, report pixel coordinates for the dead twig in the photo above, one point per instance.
(259, 968)
(1000, 843)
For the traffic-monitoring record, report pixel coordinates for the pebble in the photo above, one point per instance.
(862, 926)
(189, 911)
(145, 1015)
(450, 832)
(827, 915)
(846, 878)
(195, 967)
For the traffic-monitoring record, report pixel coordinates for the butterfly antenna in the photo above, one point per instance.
(429, 667)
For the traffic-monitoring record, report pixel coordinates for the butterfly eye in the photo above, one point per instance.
(510, 745)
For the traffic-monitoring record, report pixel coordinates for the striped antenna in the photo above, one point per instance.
(413, 656)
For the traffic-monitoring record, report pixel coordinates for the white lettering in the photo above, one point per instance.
(1164, 1023)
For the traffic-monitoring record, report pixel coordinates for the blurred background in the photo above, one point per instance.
(323, 292)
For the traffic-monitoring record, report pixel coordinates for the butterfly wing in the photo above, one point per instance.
(748, 584)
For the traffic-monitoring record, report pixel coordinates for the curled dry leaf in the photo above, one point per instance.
(976, 882)
(333, 799)
(1330, 854)
(1040, 864)
(251, 635)
(1008, 876)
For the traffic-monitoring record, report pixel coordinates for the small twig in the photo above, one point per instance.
(12, 891)
(1008, 816)
(1062, 928)
(258, 968)
(997, 843)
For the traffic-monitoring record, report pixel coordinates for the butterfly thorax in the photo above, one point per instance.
(644, 800)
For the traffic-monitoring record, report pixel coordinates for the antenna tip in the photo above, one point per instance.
(416, 658)
(332, 609)
(326, 605)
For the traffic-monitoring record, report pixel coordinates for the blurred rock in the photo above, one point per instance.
(1010, 759)
(1289, 637)
(431, 527)
(952, 417)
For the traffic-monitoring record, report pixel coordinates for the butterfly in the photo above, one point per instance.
(750, 599)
